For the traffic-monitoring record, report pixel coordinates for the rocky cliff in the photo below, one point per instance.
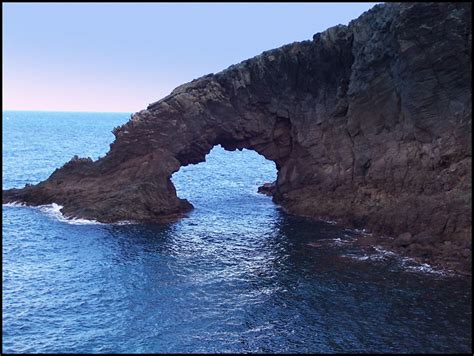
(368, 124)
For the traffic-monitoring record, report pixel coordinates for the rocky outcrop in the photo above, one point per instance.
(267, 188)
(368, 124)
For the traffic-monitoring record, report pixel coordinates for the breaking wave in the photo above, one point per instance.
(54, 211)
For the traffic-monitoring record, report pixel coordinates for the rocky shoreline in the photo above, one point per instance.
(368, 124)
(422, 248)
(447, 258)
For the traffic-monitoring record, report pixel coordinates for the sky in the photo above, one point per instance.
(120, 57)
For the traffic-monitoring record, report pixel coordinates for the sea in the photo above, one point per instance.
(238, 274)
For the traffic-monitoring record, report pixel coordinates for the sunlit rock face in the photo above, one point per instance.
(368, 124)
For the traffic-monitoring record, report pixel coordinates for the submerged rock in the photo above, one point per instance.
(369, 124)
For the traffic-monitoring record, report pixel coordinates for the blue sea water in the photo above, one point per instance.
(237, 275)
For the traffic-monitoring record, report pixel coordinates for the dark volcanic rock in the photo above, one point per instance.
(267, 188)
(369, 124)
(403, 240)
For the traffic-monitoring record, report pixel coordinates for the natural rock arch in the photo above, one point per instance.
(368, 123)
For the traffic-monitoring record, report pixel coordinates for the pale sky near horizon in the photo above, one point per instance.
(119, 57)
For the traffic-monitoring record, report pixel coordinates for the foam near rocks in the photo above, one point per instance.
(410, 265)
(14, 204)
(54, 211)
(405, 263)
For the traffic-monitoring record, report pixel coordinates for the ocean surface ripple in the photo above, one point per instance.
(236, 275)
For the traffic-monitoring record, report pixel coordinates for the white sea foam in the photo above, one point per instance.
(54, 211)
(410, 265)
(125, 222)
(338, 241)
(14, 204)
(405, 263)
(379, 255)
(425, 268)
(384, 252)
(368, 257)
(362, 232)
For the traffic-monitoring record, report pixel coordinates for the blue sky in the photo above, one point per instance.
(123, 56)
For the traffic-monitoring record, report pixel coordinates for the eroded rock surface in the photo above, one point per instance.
(368, 124)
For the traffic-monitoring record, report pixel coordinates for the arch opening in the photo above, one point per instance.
(227, 179)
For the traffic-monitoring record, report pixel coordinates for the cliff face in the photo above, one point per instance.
(369, 124)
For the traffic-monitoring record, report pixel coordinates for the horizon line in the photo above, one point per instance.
(84, 111)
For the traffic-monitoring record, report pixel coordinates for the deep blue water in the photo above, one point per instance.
(237, 275)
